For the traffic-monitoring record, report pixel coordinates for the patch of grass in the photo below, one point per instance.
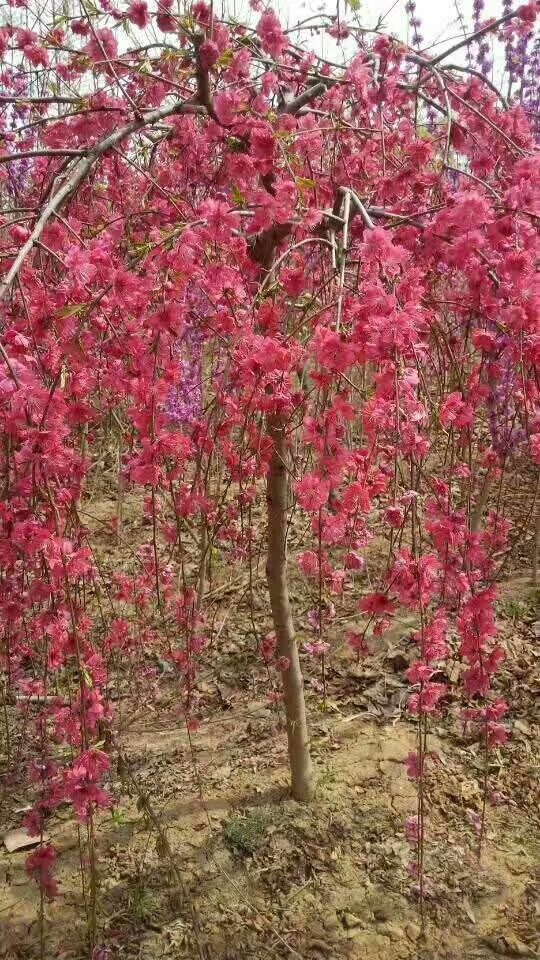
(514, 609)
(326, 780)
(141, 902)
(244, 834)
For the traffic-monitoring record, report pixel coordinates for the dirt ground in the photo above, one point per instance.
(206, 856)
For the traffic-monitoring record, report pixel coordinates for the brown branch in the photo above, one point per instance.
(306, 97)
(7, 98)
(204, 92)
(79, 173)
(488, 28)
(480, 75)
(10, 157)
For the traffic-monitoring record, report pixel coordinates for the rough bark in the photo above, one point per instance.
(536, 548)
(477, 514)
(276, 572)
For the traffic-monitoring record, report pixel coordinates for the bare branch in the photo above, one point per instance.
(81, 170)
(362, 210)
(306, 97)
(10, 157)
(477, 73)
(488, 28)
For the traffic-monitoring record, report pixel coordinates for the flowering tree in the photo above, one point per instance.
(262, 269)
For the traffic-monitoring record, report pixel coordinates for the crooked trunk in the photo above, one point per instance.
(276, 573)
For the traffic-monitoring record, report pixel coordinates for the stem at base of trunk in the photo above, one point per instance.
(276, 573)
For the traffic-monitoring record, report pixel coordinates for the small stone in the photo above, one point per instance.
(515, 947)
(381, 914)
(108, 883)
(350, 921)
(507, 946)
(21, 840)
(398, 661)
(357, 903)
(222, 773)
(391, 930)
(331, 923)
(320, 946)
(19, 881)
(413, 932)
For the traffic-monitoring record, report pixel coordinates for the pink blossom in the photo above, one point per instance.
(419, 672)
(394, 517)
(39, 865)
(427, 699)
(273, 39)
(497, 735)
(164, 19)
(413, 766)
(357, 642)
(220, 219)
(376, 604)
(269, 647)
(208, 54)
(102, 46)
(317, 648)
(528, 12)
(138, 14)
(455, 412)
(331, 351)
(535, 447)
(474, 819)
(309, 563)
(202, 13)
(312, 492)
(412, 831)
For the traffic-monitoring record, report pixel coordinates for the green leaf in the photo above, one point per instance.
(238, 198)
(187, 23)
(226, 58)
(71, 310)
(305, 183)
(236, 145)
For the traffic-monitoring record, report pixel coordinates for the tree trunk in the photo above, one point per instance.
(536, 548)
(276, 573)
(477, 513)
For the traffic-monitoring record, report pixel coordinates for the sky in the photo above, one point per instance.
(440, 19)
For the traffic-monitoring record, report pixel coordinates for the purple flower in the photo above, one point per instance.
(483, 50)
(531, 88)
(184, 401)
(504, 427)
(414, 23)
(16, 117)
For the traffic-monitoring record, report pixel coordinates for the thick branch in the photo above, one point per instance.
(488, 28)
(79, 173)
(306, 97)
(24, 154)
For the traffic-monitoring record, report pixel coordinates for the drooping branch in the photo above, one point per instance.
(26, 154)
(80, 172)
(308, 96)
(489, 27)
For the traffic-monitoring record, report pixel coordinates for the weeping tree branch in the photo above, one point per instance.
(80, 172)
(489, 27)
